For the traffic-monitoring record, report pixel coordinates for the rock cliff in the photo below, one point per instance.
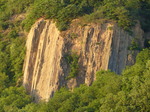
(98, 46)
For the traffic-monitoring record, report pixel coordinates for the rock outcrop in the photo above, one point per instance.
(98, 46)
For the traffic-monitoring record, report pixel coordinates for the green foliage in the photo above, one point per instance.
(13, 98)
(143, 57)
(11, 61)
(3, 81)
(134, 45)
(4, 25)
(11, 57)
(129, 92)
(12, 34)
(125, 12)
(72, 60)
(144, 15)
(11, 7)
(147, 43)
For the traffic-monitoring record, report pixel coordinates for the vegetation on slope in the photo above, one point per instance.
(129, 92)
(72, 60)
(124, 12)
(110, 92)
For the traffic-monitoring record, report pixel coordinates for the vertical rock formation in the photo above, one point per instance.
(99, 46)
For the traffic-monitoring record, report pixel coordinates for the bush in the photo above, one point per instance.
(12, 34)
(72, 60)
(4, 25)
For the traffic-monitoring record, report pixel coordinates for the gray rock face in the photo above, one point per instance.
(99, 47)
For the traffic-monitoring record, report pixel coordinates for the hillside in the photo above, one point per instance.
(65, 46)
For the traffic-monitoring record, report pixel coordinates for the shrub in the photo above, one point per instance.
(134, 45)
(12, 34)
(72, 60)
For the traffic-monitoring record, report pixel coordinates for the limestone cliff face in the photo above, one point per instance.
(99, 46)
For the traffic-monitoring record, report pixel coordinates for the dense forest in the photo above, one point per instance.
(128, 92)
